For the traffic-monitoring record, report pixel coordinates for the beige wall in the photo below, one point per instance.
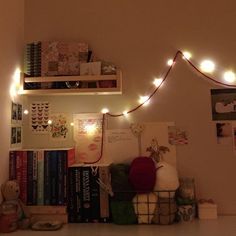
(139, 36)
(11, 45)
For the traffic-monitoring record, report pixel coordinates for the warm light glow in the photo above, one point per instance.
(90, 129)
(170, 62)
(229, 76)
(187, 55)
(207, 66)
(71, 124)
(13, 91)
(16, 76)
(157, 82)
(26, 112)
(144, 100)
(49, 122)
(125, 113)
(104, 110)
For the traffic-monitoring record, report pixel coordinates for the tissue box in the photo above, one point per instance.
(207, 211)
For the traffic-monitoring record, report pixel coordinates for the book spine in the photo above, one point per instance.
(60, 176)
(70, 157)
(23, 184)
(19, 169)
(86, 194)
(35, 177)
(71, 204)
(12, 165)
(47, 187)
(30, 178)
(40, 189)
(78, 195)
(95, 194)
(65, 176)
(53, 177)
(104, 197)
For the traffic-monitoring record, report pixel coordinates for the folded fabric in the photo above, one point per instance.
(144, 206)
(123, 212)
(121, 186)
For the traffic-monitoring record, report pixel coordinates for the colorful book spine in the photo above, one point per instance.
(23, 183)
(47, 187)
(40, 178)
(12, 165)
(19, 169)
(53, 166)
(30, 157)
(78, 195)
(61, 162)
(35, 176)
(71, 203)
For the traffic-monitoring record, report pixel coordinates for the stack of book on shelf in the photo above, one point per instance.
(42, 213)
(88, 201)
(42, 175)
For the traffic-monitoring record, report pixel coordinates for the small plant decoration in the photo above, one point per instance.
(157, 151)
(137, 130)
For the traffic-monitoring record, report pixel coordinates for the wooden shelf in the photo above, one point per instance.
(73, 91)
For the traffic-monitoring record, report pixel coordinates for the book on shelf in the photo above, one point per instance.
(41, 174)
(36, 209)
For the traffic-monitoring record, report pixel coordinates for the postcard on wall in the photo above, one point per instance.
(114, 143)
(177, 136)
(87, 136)
(224, 133)
(16, 136)
(58, 129)
(40, 112)
(223, 102)
(14, 112)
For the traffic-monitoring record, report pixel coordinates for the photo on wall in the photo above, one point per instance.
(224, 133)
(14, 114)
(223, 103)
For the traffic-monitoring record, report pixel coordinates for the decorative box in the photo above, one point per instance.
(207, 210)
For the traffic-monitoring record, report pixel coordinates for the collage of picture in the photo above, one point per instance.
(16, 124)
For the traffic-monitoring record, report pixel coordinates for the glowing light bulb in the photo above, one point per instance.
(229, 76)
(13, 91)
(71, 124)
(16, 76)
(90, 129)
(170, 62)
(207, 66)
(187, 55)
(157, 82)
(49, 122)
(125, 113)
(104, 110)
(144, 100)
(26, 112)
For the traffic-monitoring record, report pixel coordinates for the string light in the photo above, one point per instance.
(170, 62)
(187, 55)
(26, 112)
(157, 82)
(144, 100)
(49, 122)
(207, 66)
(229, 76)
(125, 113)
(104, 110)
(71, 124)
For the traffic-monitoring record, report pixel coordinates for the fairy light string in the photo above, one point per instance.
(177, 55)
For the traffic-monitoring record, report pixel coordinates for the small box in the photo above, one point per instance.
(207, 211)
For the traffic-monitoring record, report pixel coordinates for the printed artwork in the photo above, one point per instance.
(177, 136)
(62, 58)
(16, 112)
(40, 112)
(87, 136)
(58, 129)
(16, 135)
(224, 133)
(223, 104)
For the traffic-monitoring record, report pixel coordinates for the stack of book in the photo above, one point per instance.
(41, 174)
(88, 201)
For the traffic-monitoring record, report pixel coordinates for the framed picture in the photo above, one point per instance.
(13, 136)
(14, 114)
(223, 102)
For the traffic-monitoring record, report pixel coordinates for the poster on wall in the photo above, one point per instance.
(16, 136)
(177, 135)
(114, 143)
(58, 129)
(16, 113)
(223, 102)
(87, 136)
(224, 133)
(40, 112)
